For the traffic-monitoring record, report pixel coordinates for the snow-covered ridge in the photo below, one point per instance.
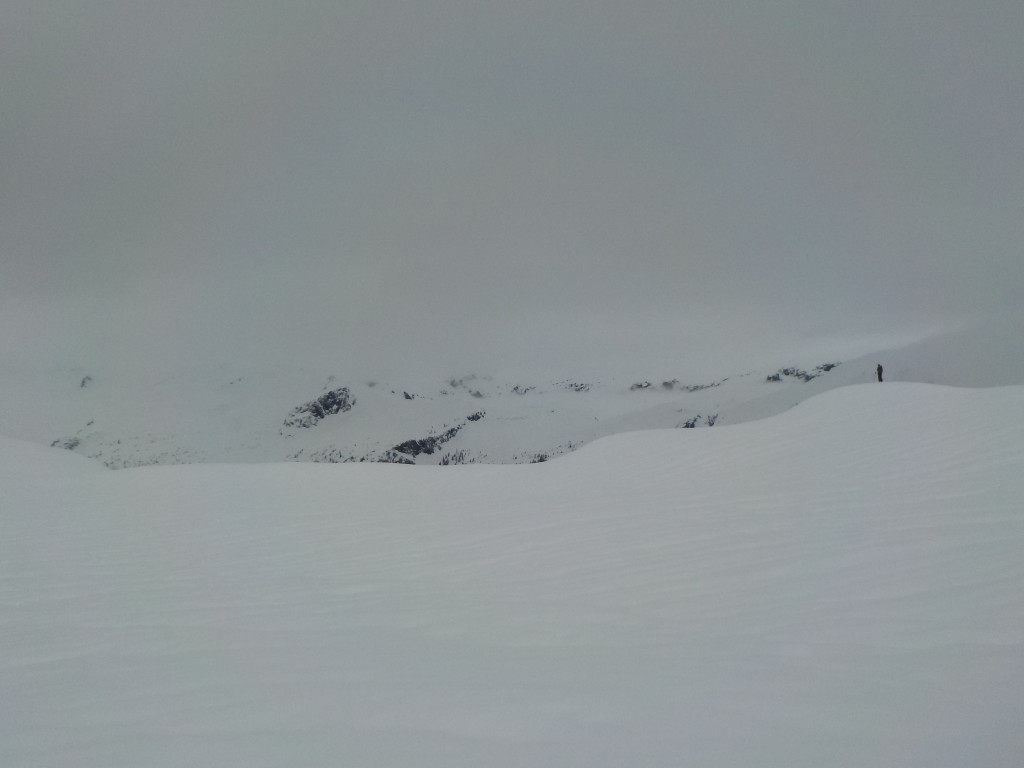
(218, 415)
(299, 416)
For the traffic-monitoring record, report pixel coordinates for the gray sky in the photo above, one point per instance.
(384, 183)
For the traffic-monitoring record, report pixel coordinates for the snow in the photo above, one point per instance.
(837, 585)
(222, 414)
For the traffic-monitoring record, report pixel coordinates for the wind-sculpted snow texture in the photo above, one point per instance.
(840, 586)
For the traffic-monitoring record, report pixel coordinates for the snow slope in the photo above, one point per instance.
(126, 420)
(839, 585)
(224, 414)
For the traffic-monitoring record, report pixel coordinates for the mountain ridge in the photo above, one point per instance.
(297, 414)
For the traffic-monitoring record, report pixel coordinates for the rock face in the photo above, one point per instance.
(427, 444)
(310, 414)
(804, 376)
(432, 442)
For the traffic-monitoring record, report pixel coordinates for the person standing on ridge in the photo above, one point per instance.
(879, 371)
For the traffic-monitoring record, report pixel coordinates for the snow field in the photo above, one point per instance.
(840, 585)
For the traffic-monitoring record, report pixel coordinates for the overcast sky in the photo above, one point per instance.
(532, 182)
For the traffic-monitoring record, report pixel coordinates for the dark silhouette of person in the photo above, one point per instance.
(879, 371)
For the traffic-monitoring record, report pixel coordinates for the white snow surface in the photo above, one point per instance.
(838, 585)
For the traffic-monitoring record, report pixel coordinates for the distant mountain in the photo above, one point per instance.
(301, 415)
(298, 416)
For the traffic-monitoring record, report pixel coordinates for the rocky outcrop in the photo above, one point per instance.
(675, 385)
(310, 414)
(427, 444)
(695, 421)
(804, 376)
(430, 443)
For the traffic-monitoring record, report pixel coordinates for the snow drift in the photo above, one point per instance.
(840, 585)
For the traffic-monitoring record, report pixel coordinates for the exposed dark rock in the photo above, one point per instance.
(430, 443)
(695, 421)
(804, 376)
(794, 373)
(798, 374)
(457, 457)
(674, 384)
(427, 444)
(309, 414)
(392, 457)
(699, 387)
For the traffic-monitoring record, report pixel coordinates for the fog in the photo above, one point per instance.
(462, 185)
